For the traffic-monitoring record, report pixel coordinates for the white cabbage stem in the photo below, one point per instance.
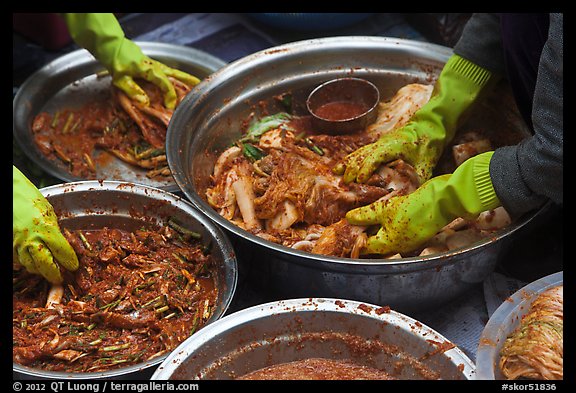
(54, 295)
(245, 199)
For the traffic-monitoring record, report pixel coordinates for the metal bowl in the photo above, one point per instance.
(297, 329)
(504, 321)
(71, 81)
(350, 91)
(210, 119)
(94, 204)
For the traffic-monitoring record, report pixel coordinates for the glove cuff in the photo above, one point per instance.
(457, 88)
(99, 33)
(475, 74)
(483, 182)
(22, 188)
(469, 190)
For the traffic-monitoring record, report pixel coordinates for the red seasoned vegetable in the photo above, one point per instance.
(135, 296)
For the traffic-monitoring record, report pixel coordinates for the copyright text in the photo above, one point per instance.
(529, 386)
(105, 386)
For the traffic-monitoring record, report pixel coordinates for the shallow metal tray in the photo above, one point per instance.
(71, 81)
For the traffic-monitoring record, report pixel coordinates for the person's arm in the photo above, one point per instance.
(481, 43)
(527, 175)
(37, 243)
(102, 35)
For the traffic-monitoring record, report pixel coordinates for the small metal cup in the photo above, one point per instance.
(353, 90)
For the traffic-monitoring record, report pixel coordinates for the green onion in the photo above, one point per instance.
(187, 233)
(116, 347)
(162, 309)
(179, 257)
(195, 323)
(267, 123)
(144, 285)
(85, 241)
(55, 119)
(69, 120)
(148, 153)
(313, 147)
(110, 305)
(252, 152)
(75, 125)
(153, 301)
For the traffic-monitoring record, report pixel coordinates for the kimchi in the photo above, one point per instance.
(135, 296)
(115, 125)
(277, 182)
(535, 349)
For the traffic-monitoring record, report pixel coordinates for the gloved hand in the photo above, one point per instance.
(102, 35)
(37, 242)
(408, 221)
(421, 141)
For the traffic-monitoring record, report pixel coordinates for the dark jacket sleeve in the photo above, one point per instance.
(527, 175)
(481, 42)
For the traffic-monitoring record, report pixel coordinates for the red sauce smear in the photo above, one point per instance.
(340, 110)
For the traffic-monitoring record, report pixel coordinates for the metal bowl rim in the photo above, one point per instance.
(300, 305)
(336, 80)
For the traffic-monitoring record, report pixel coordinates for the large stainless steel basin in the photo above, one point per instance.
(210, 119)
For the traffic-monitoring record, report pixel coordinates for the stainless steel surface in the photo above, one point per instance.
(94, 204)
(289, 330)
(71, 81)
(504, 321)
(352, 90)
(210, 119)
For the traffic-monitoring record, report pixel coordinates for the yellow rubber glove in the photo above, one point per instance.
(37, 243)
(409, 221)
(102, 35)
(421, 141)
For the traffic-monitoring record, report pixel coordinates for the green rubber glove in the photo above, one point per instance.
(421, 141)
(37, 242)
(408, 221)
(102, 35)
